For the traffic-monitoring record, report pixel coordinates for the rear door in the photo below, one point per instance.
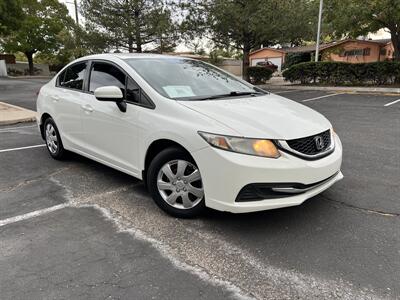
(67, 101)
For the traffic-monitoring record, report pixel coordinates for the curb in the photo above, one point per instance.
(332, 88)
(18, 114)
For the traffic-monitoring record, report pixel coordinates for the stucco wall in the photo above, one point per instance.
(389, 52)
(232, 66)
(23, 68)
(333, 53)
(268, 53)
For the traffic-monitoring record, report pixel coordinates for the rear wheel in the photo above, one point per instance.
(53, 139)
(175, 184)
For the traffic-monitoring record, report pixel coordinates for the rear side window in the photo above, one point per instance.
(73, 76)
(104, 74)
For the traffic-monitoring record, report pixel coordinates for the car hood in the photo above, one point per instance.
(270, 116)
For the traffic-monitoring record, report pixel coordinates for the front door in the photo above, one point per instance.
(110, 134)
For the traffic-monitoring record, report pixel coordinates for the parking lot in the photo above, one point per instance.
(76, 229)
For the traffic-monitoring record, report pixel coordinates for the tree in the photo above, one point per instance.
(352, 18)
(129, 24)
(10, 15)
(246, 24)
(41, 23)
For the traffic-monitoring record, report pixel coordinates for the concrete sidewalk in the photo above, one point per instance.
(279, 83)
(350, 89)
(11, 114)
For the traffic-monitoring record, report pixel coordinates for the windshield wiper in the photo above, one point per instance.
(231, 94)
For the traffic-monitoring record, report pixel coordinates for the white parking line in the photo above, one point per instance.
(32, 214)
(22, 148)
(321, 97)
(284, 92)
(391, 103)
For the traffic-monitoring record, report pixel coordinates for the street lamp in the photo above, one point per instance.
(321, 3)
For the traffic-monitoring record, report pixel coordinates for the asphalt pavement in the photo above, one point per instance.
(76, 229)
(21, 92)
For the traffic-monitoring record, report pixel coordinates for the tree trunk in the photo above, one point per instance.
(130, 45)
(137, 32)
(29, 56)
(395, 36)
(246, 63)
(138, 47)
(396, 46)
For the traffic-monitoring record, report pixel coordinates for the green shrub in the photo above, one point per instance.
(340, 73)
(259, 74)
(292, 59)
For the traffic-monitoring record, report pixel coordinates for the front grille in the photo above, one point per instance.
(308, 144)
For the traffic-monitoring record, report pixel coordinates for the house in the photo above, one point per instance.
(348, 50)
(276, 56)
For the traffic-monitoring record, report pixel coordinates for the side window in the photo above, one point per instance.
(74, 76)
(104, 74)
(60, 78)
(135, 94)
(145, 100)
(132, 91)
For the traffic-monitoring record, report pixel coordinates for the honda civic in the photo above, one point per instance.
(196, 135)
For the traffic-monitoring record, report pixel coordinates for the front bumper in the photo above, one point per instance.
(225, 173)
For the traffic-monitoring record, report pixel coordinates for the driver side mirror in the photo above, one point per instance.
(111, 93)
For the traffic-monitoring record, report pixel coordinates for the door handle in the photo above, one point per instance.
(87, 108)
(55, 98)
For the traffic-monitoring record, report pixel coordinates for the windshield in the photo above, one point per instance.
(186, 79)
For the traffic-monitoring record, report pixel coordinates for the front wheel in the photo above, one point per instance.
(175, 184)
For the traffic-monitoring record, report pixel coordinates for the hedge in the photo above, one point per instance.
(340, 73)
(292, 59)
(259, 74)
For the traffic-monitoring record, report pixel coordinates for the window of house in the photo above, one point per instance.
(367, 51)
(383, 51)
(73, 76)
(354, 52)
(104, 74)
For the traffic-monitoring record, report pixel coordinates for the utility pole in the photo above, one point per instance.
(77, 28)
(76, 12)
(78, 40)
(321, 3)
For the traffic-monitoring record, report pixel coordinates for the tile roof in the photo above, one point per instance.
(311, 48)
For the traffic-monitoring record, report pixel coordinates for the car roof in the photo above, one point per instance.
(130, 55)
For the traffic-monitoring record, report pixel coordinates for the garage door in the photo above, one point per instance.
(275, 60)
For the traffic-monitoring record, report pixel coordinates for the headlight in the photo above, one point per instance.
(256, 147)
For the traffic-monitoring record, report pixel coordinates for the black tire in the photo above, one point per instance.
(165, 156)
(60, 152)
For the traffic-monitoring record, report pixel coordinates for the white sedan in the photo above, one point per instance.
(197, 136)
